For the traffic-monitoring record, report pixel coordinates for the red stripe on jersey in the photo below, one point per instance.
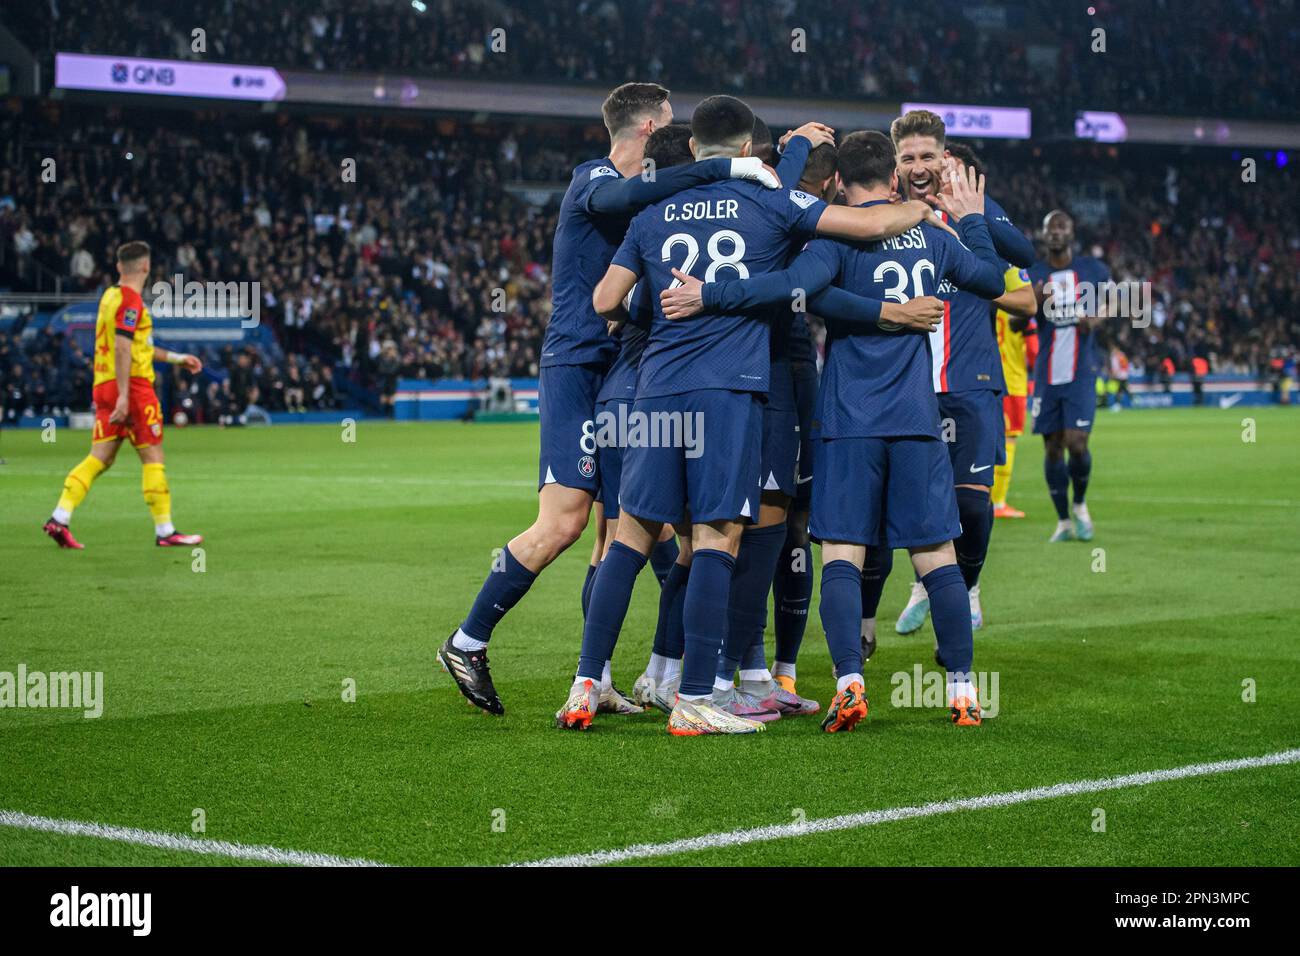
(1075, 371)
(947, 346)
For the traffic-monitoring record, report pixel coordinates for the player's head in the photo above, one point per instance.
(636, 110)
(1058, 231)
(918, 137)
(133, 261)
(966, 156)
(722, 126)
(669, 146)
(865, 160)
(762, 147)
(819, 172)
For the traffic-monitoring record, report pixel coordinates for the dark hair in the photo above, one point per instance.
(630, 103)
(918, 123)
(762, 146)
(669, 146)
(865, 159)
(821, 163)
(967, 157)
(132, 251)
(721, 120)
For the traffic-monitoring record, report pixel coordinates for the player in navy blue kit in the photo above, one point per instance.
(882, 476)
(1071, 290)
(967, 371)
(760, 696)
(576, 353)
(699, 391)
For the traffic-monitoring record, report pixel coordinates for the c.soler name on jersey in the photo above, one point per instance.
(703, 209)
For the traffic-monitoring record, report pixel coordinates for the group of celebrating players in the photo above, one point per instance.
(684, 268)
(680, 398)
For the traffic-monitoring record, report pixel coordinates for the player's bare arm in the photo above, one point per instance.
(192, 363)
(1022, 304)
(875, 222)
(122, 374)
(611, 292)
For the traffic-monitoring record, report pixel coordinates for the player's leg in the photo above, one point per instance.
(756, 564)
(158, 498)
(974, 457)
(760, 548)
(937, 566)
(657, 685)
(1013, 410)
(792, 585)
(567, 483)
(612, 700)
(606, 528)
(849, 489)
(722, 494)
(103, 452)
(664, 554)
(1049, 421)
(876, 567)
(610, 597)
(1080, 470)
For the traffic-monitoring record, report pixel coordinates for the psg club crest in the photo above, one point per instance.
(586, 466)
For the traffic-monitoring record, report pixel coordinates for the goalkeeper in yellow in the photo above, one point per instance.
(1015, 349)
(125, 403)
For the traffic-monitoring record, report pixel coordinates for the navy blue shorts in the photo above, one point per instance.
(710, 471)
(805, 397)
(895, 492)
(609, 457)
(566, 402)
(780, 458)
(978, 433)
(1058, 407)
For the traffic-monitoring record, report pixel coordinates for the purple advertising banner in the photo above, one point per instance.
(994, 122)
(125, 74)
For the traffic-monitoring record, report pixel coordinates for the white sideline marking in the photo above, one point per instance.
(172, 841)
(851, 821)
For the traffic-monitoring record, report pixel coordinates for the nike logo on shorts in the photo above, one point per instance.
(976, 471)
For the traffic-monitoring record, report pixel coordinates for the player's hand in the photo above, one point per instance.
(921, 209)
(923, 313)
(685, 300)
(120, 410)
(755, 170)
(819, 134)
(193, 364)
(612, 326)
(963, 193)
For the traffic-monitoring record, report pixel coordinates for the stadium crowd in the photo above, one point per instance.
(1171, 56)
(434, 263)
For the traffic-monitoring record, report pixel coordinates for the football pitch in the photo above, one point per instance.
(279, 690)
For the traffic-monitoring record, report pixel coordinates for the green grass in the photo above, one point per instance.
(327, 560)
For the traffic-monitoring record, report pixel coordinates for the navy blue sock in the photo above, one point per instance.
(950, 614)
(760, 549)
(668, 629)
(841, 611)
(706, 629)
(586, 588)
(662, 558)
(976, 511)
(875, 572)
(1080, 471)
(755, 656)
(610, 596)
(792, 587)
(506, 583)
(1058, 483)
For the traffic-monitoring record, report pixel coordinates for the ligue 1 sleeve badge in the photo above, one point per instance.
(586, 466)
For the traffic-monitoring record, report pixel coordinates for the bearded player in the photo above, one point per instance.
(125, 403)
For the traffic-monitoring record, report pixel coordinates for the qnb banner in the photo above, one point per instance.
(994, 122)
(123, 74)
